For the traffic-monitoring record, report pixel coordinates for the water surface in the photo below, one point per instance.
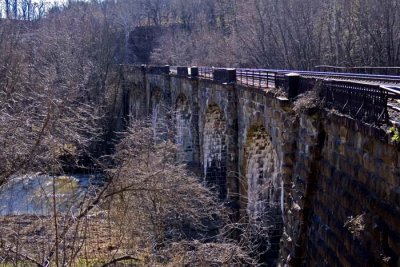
(34, 194)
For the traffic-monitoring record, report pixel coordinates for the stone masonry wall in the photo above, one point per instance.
(183, 88)
(355, 209)
(331, 184)
(218, 126)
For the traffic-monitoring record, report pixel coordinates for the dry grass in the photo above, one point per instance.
(307, 101)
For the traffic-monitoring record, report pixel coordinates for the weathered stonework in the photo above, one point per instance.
(359, 178)
(215, 150)
(187, 89)
(330, 183)
(220, 99)
(261, 170)
(183, 137)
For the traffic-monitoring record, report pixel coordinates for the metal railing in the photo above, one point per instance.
(390, 80)
(371, 78)
(257, 78)
(362, 69)
(206, 72)
(365, 97)
(365, 102)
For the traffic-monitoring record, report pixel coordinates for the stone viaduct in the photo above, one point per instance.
(328, 183)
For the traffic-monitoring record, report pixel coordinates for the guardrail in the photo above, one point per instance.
(258, 78)
(365, 102)
(365, 97)
(362, 69)
(372, 78)
(366, 78)
(206, 72)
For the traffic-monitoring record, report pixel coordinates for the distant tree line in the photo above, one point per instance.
(283, 34)
(248, 33)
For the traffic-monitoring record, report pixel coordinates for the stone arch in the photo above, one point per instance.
(137, 104)
(262, 187)
(184, 137)
(158, 114)
(215, 150)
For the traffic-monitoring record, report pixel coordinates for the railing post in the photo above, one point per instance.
(194, 72)
(182, 71)
(143, 68)
(158, 69)
(227, 76)
(166, 69)
(254, 82)
(292, 84)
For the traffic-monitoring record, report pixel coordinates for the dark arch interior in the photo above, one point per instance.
(263, 187)
(136, 105)
(183, 137)
(215, 150)
(159, 115)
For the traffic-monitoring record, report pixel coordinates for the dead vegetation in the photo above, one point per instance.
(151, 212)
(356, 225)
(308, 101)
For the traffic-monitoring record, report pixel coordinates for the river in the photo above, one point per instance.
(33, 194)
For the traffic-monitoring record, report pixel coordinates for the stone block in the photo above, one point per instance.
(224, 75)
(362, 176)
(343, 133)
(277, 115)
(394, 242)
(395, 195)
(388, 154)
(182, 71)
(389, 174)
(369, 163)
(358, 140)
(158, 69)
(292, 83)
(342, 149)
(194, 72)
(368, 146)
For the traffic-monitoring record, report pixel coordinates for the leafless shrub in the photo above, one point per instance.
(307, 101)
(356, 225)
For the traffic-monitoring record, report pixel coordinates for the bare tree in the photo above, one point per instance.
(151, 209)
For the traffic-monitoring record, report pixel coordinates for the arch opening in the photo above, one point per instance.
(136, 104)
(262, 190)
(158, 115)
(215, 150)
(183, 138)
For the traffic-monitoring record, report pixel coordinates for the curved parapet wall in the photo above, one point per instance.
(331, 183)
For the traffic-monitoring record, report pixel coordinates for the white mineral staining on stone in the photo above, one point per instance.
(262, 174)
(215, 150)
(214, 146)
(158, 117)
(184, 139)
